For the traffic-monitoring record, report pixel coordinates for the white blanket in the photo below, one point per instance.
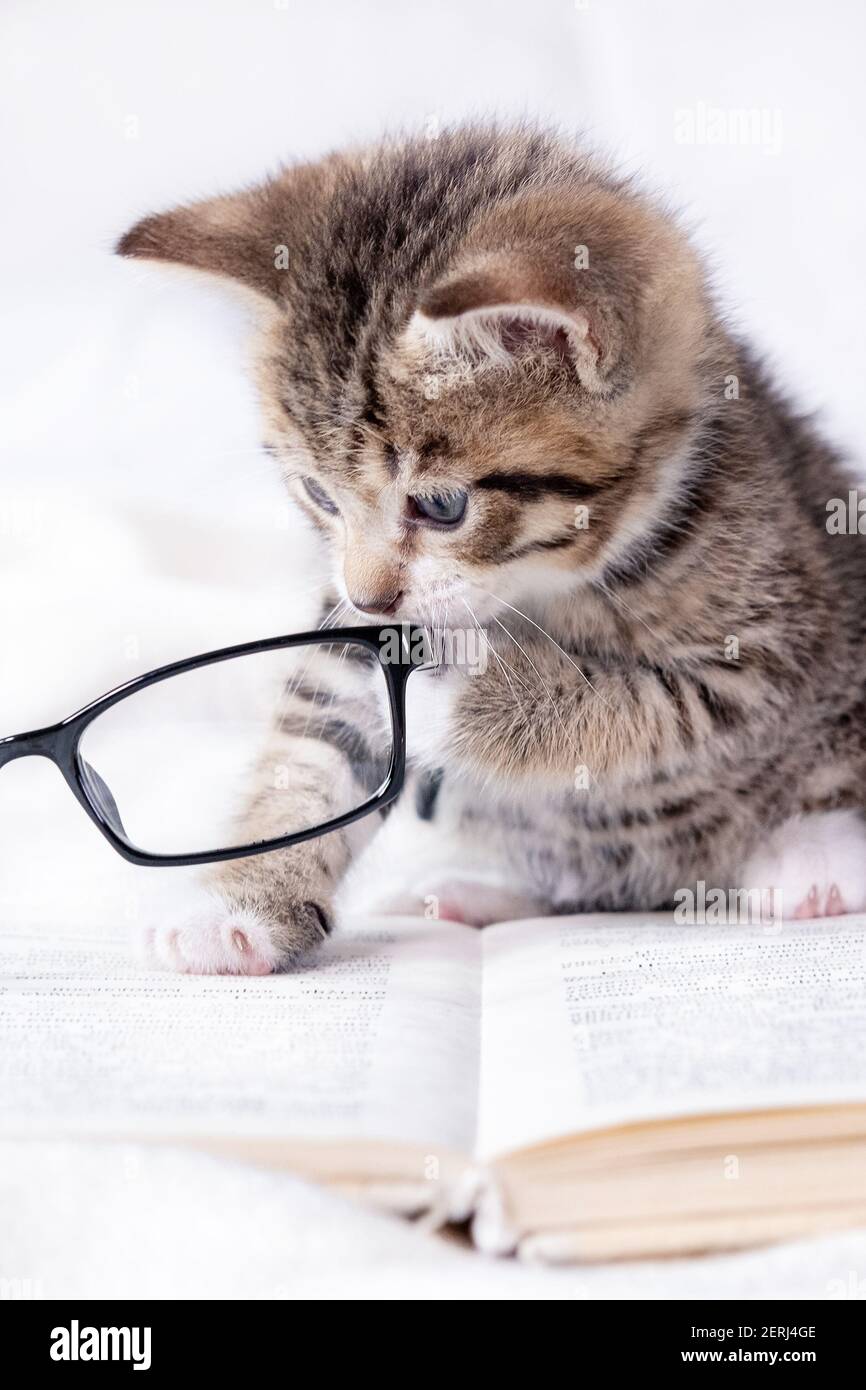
(86, 1221)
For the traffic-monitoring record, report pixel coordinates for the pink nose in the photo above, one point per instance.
(386, 604)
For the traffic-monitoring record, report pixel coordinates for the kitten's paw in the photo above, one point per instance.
(213, 936)
(817, 863)
(821, 901)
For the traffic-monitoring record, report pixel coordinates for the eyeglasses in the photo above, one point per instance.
(294, 736)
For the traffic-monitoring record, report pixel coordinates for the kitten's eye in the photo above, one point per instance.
(446, 508)
(319, 496)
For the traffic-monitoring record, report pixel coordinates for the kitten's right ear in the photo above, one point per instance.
(235, 236)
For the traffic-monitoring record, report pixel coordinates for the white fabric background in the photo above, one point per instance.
(139, 521)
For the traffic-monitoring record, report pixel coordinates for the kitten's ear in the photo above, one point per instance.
(594, 273)
(502, 305)
(235, 236)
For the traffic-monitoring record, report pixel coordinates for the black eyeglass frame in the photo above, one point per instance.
(60, 742)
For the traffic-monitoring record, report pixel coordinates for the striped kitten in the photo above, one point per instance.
(502, 393)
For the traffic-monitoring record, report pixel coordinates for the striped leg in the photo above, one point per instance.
(328, 753)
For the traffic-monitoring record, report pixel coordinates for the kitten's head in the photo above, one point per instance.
(481, 361)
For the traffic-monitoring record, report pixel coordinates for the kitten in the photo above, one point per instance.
(501, 391)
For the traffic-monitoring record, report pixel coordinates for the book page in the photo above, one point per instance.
(376, 1038)
(602, 1020)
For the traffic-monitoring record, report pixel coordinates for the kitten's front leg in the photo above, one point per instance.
(326, 755)
(260, 914)
(536, 714)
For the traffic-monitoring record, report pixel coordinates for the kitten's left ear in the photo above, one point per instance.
(502, 304)
(237, 236)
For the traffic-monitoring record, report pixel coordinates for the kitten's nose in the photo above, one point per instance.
(384, 604)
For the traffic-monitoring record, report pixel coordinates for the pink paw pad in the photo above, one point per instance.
(816, 904)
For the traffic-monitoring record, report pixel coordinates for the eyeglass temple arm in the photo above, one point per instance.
(43, 743)
(37, 743)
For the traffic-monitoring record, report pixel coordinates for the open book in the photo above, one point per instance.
(576, 1088)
